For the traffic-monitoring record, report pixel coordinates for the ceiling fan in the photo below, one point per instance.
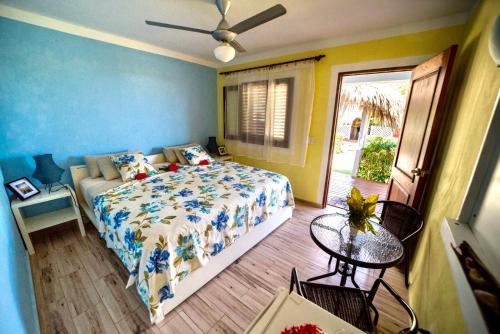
(225, 33)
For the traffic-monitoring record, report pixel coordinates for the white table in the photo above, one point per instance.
(41, 221)
(287, 310)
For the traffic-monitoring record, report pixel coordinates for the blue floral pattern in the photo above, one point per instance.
(131, 164)
(195, 154)
(165, 226)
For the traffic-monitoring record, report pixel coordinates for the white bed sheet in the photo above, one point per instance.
(92, 187)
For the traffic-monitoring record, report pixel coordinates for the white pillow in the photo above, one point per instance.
(129, 165)
(195, 154)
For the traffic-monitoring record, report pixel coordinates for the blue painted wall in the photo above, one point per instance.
(17, 300)
(72, 96)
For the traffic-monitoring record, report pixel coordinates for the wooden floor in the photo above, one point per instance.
(80, 284)
(341, 185)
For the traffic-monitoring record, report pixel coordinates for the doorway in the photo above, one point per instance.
(368, 118)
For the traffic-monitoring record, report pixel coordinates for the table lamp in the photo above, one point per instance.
(46, 171)
(212, 145)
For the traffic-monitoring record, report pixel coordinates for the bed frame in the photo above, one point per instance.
(204, 274)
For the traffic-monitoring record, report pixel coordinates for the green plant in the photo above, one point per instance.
(339, 141)
(361, 210)
(376, 160)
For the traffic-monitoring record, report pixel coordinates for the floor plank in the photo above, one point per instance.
(95, 321)
(80, 284)
(79, 292)
(225, 326)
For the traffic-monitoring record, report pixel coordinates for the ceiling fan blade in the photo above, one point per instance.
(261, 18)
(173, 26)
(237, 46)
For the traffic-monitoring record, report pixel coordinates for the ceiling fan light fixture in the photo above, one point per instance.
(224, 52)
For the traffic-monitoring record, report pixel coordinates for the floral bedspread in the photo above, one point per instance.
(167, 225)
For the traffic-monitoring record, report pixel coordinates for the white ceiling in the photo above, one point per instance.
(306, 21)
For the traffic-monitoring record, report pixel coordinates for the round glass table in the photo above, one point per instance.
(331, 232)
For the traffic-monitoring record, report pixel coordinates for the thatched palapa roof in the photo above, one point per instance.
(382, 101)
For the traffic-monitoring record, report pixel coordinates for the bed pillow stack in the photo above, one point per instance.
(195, 154)
(92, 162)
(174, 154)
(131, 164)
(101, 165)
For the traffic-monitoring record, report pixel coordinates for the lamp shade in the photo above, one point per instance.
(46, 170)
(224, 52)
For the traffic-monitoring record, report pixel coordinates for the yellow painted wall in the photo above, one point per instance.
(472, 95)
(305, 181)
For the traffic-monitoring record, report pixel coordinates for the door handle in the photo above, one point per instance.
(419, 172)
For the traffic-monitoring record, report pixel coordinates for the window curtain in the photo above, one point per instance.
(268, 112)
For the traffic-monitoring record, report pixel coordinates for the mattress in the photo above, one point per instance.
(90, 187)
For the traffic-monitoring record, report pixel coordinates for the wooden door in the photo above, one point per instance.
(422, 123)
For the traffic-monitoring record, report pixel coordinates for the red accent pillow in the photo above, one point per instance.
(141, 176)
(173, 167)
(204, 162)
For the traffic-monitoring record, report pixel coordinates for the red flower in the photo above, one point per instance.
(303, 329)
(173, 167)
(141, 176)
(204, 162)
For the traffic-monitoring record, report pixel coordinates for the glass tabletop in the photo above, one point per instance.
(331, 233)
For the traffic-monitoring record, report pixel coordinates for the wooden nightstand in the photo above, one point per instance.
(221, 158)
(39, 222)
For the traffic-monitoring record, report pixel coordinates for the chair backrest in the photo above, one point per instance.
(400, 219)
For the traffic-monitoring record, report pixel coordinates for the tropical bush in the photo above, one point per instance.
(376, 160)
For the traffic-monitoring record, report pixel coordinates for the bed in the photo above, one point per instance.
(175, 231)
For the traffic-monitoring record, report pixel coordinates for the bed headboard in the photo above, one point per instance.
(80, 172)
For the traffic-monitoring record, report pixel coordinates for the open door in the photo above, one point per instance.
(422, 121)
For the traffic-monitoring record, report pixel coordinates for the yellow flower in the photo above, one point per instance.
(361, 210)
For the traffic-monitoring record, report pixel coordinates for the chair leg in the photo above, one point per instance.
(376, 315)
(330, 261)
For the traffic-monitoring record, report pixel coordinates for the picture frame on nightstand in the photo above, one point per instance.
(22, 188)
(222, 150)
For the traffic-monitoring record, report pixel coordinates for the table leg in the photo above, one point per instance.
(24, 232)
(382, 272)
(334, 272)
(343, 278)
(77, 212)
(344, 273)
(353, 272)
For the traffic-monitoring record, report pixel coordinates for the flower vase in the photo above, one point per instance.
(353, 232)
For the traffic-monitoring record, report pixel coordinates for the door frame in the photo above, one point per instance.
(338, 72)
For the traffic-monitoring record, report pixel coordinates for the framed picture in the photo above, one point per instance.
(23, 188)
(222, 150)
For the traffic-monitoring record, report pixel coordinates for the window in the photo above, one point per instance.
(246, 108)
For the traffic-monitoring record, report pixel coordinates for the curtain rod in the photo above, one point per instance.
(316, 58)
